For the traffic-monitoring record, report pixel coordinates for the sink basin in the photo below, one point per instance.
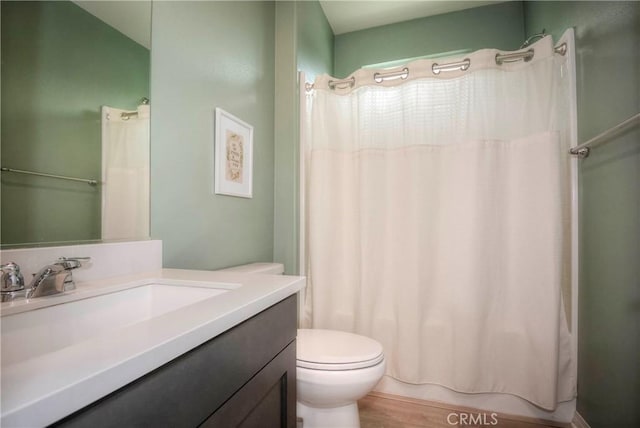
(37, 332)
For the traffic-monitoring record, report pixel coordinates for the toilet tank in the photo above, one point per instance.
(266, 268)
(269, 268)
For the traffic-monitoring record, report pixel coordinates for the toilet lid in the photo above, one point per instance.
(336, 350)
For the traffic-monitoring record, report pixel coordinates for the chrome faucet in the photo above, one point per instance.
(52, 279)
(12, 282)
(55, 278)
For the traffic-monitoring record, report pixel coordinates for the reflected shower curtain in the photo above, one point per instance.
(125, 174)
(438, 222)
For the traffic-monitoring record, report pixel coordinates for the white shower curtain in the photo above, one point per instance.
(125, 174)
(438, 222)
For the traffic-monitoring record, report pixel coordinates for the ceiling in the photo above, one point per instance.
(347, 16)
(131, 18)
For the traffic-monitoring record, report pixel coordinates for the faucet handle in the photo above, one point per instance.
(69, 263)
(12, 279)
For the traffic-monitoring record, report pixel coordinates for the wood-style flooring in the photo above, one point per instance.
(385, 411)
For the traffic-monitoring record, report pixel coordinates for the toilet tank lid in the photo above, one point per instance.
(336, 347)
(269, 268)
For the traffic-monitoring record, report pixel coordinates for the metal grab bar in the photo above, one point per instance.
(61, 177)
(582, 150)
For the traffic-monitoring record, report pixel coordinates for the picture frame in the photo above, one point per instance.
(233, 158)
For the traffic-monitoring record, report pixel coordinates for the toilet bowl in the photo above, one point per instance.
(334, 370)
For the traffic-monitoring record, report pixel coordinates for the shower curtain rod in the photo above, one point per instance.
(437, 68)
(583, 150)
(61, 177)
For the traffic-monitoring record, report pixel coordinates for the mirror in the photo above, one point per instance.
(75, 77)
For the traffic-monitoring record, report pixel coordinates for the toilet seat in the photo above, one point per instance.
(336, 350)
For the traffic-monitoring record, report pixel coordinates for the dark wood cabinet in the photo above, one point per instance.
(264, 401)
(245, 377)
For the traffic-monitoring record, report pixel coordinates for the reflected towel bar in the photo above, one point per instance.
(61, 177)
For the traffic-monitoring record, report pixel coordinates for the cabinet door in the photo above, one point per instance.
(267, 400)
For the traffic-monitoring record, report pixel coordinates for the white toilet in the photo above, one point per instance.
(334, 369)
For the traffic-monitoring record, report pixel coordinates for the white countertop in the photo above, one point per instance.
(44, 389)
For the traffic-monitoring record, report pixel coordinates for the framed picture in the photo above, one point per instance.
(233, 171)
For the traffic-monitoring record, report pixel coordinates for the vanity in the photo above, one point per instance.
(162, 347)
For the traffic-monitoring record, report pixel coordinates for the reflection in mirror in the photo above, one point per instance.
(75, 105)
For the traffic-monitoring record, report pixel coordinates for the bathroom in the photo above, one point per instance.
(243, 57)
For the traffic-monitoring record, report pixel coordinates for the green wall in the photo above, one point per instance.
(315, 46)
(608, 84)
(286, 219)
(207, 55)
(60, 64)
(496, 26)
(304, 41)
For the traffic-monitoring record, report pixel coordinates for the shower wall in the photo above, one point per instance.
(608, 86)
